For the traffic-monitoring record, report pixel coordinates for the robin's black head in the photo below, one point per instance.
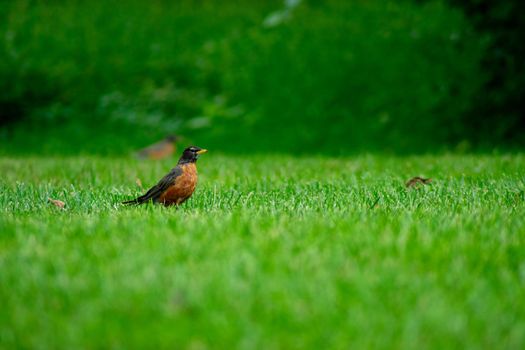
(191, 154)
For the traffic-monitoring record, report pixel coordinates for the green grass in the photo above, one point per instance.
(271, 252)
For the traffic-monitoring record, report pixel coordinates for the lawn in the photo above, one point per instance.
(271, 252)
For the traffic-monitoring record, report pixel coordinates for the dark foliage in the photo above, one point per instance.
(499, 112)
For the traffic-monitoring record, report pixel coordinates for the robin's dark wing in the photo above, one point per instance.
(155, 192)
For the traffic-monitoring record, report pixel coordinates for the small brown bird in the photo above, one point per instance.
(178, 185)
(418, 180)
(56, 203)
(159, 150)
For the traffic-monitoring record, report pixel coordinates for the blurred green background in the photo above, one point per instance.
(324, 77)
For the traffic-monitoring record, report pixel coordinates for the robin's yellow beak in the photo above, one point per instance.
(202, 151)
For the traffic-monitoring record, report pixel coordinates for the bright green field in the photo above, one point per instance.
(270, 253)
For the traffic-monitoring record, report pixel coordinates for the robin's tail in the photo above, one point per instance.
(149, 196)
(139, 200)
(133, 201)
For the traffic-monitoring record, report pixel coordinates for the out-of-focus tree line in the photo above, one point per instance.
(498, 114)
(295, 76)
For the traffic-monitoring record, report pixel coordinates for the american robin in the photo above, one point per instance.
(178, 185)
(159, 150)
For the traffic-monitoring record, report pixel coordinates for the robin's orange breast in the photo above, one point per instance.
(182, 188)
